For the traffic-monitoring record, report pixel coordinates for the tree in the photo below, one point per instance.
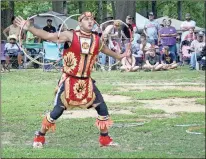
(154, 8)
(179, 10)
(124, 8)
(113, 9)
(57, 6)
(100, 9)
(104, 10)
(7, 11)
(80, 7)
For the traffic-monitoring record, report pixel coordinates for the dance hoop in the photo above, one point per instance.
(129, 44)
(20, 42)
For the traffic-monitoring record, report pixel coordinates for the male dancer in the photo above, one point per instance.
(76, 88)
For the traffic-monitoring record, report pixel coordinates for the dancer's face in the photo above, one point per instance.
(87, 24)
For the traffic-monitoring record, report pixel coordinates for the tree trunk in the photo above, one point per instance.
(179, 10)
(6, 15)
(100, 9)
(124, 8)
(80, 7)
(147, 8)
(154, 8)
(104, 10)
(57, 6)
(65, 8)
(113, 8)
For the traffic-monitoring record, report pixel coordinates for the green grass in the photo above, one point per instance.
(28, 94)
(201, 101)
(159, 94)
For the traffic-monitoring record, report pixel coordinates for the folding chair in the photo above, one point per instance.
(3, 66)
(32, 51)
(52, 54)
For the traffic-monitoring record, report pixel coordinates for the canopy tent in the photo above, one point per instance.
(41, 20)
(140, 21)
(176, 23)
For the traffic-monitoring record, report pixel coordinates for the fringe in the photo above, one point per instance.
(102, 124)
(48, 125)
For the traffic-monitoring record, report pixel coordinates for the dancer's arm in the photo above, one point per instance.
(63, 37)
(111, 53)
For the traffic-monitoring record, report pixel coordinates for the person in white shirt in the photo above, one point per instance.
(14, 47)
(187, 25)
(196, 48)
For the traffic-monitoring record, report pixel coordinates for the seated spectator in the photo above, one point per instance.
(137, 53)
(12, 45)
(49, 28)
(128, 64)
(62, 29)
(30, 38)
(152, 61)
(196, 47)
(191, 35)
(168, 59)
(202, 58)
(144, 45)
(136, 36)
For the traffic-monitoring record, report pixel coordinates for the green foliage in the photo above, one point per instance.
(169, 8)
(29, 8)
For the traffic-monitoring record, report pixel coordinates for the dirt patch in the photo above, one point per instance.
(160, 83)
(182, 88)
(89, 113)
(174, 105)
(160, 116)
(116, 98)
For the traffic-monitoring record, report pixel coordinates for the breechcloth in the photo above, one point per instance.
(59, 107)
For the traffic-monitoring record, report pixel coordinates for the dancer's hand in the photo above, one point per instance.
(22, 23)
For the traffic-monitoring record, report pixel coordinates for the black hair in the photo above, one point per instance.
(12, 19)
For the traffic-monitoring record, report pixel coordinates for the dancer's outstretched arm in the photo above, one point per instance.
(63, 37)
(109, 52)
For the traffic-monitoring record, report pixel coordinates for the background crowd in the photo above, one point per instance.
(156, 47)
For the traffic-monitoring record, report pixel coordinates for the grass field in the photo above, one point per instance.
(27, 94)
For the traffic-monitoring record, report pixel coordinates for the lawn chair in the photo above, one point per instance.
(35, 51)
(3, 65)
(52, 56)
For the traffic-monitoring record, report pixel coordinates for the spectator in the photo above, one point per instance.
(196, 47)
(164, 21)
(126, 32)
(191, 35)
(49, 28)
(152, 61)
(12, 45)
(13, 29)
(186, 25)
(128, 64)
(151, 29)
(178, 51)
(144, 45)
(168, 36)
(168, 60)
(112, 35)
(137, 53)
(136, 36)
(30, 38)
(134, 26)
